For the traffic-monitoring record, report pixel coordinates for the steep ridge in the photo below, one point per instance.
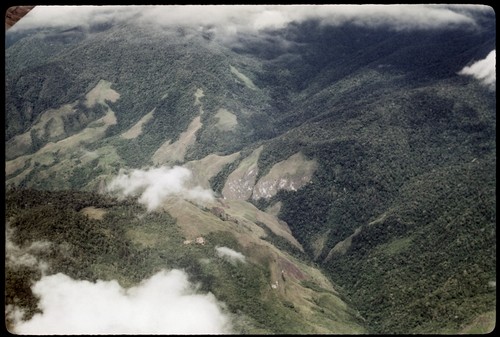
(352, 165)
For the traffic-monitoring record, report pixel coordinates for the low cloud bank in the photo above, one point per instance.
(230, 19)
(166, 303)
(230, 254)
(483, 70)
(157, 184)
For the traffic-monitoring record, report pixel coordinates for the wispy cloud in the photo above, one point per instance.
(156, 184)
(484, 70)
(229, 19)
(166, 303)
(230, 254)
(25, 256)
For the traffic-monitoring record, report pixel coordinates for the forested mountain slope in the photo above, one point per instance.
(350, 161)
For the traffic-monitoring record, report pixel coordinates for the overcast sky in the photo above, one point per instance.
(234, 18)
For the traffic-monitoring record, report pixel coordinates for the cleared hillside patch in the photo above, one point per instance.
(240, 182)
(58, 152)
(136, 130)
(242, 77)
(94, 212)
(197, 95)
(226, 120)
(243, 209)
(206, 168)
(100, 94)
(175, 152)
(483, 324)
(290, 174)
(50, 126)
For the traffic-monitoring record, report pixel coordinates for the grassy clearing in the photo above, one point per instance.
(240, 182)
(343, 246)
(242, 77)
(175, 152)
(192, 220)
(18, 145)
(483, 324)
(49, 126)
(57, 169)
(290, 174)
(206, 168)
(245, 210)
(197, 95)
(226, 120)
(15, 165)
(136, 129)
(274, 209)
(101, 93)
(62, 148)
(88, 135)
(396, 246)
(318, 243)
(94, 212)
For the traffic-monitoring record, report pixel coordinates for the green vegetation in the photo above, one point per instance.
(434, 256)
(82, 174)
(126, 244)
(282, 243)
(406, 153)
(217, 182)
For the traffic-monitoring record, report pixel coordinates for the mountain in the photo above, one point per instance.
(314, 171)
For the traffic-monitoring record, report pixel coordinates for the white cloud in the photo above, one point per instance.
(230, 254)
(166, 303)
(229, 19)
(156, 184)
(484, 70)
(70, 16)
(399, 17)
(23, 256)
